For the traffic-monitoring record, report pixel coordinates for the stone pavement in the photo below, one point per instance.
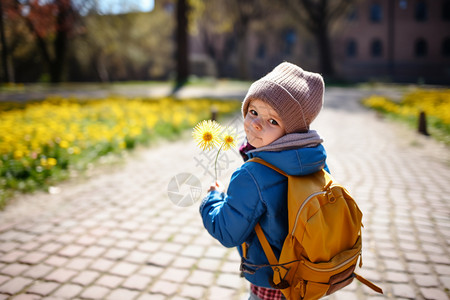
(117, 235)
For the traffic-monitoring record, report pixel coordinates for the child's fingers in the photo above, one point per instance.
(219, 186)
(213, 187)
(216, 186)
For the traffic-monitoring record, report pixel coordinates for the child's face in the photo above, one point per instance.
(262, 124)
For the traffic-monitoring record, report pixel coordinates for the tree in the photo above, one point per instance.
(214, 28)
(215, 18)
(131, 46)
(182, 52)
(245, 12)
(52, 24)
(5, 53)
(317, 16)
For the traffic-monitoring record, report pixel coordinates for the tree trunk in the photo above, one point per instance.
(100, 67)
(7, 77)
(317, 17)
(182, 43)
(60, 43)
(57, 65)
(242, 58)
(325, 52)
(241, 34)
(54, 60)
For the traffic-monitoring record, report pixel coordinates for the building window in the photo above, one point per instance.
(403, 4)
(376, 48)
(290, 37)
(352, 14)
(446, 47)
(261, 51)
(446, 10)
(421, 48)
(421, 13)
(352, 48)
(376, 13)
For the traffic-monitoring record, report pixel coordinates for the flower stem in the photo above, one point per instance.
(215, 162)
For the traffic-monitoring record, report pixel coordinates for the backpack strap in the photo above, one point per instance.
(278, 281)
(263, 162)
(265, 245)
(268, 251)
(262, 238)
(368, 283)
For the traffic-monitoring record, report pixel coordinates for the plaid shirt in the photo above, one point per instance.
(266, 294)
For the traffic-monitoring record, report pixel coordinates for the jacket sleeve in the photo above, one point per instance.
(230, 217)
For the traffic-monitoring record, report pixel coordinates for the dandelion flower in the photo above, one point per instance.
(52, 162)
(206, 134)
(228, 140)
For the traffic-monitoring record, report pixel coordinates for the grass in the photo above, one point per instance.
(435, 103)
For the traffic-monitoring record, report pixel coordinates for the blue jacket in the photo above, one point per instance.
(257, 193)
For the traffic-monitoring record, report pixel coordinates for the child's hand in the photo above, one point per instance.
(217, 186)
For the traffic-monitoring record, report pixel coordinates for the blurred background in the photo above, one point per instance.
(140, 40)
(83, 79)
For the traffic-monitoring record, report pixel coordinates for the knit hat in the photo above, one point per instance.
(296, 95)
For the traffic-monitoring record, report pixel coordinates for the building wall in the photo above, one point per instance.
(399, 31)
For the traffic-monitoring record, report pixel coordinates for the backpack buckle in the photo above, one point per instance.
(282, 283)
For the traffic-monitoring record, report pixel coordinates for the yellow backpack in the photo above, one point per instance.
(321, 250)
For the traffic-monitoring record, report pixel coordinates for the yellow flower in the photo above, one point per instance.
(228, 139)
(64, 144)
(206, 134)
(18, 154)
(43, 162)
(52, 162)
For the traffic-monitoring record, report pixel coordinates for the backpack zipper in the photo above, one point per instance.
(334, 268)
(327, 188)
(302, 206)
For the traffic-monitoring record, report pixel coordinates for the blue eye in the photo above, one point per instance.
(273, 122)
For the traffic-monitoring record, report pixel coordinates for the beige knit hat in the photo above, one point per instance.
(296, 95)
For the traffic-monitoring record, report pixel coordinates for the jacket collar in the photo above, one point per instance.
(294, 154)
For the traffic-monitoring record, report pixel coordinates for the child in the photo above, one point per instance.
(278, 110)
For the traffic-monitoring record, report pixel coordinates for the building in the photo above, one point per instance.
(396, 40)
(388, 40)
